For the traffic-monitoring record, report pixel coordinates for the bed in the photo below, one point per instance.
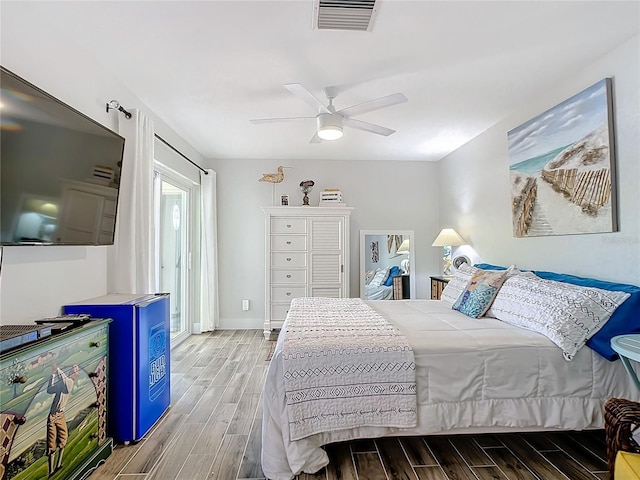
(378, 292)
(472, 375)
(378, 283)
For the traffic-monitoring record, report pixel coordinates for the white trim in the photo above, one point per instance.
(169, 175)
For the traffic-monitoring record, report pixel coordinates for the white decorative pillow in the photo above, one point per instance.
(566, 314)
(458, 283)
(511, 270)
(379, 277)
(368, 276)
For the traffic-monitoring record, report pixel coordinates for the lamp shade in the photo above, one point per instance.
(404, 247)
(448, 237)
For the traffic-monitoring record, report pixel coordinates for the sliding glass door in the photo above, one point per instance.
(173, 242)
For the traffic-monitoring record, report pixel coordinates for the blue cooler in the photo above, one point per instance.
(139, 390)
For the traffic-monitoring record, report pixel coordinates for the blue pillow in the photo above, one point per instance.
(626, 318)
(393, 272)
(488, 266)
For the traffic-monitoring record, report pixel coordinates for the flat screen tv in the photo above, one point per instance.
(59, 170)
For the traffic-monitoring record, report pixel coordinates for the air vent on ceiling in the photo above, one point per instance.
(344, 14)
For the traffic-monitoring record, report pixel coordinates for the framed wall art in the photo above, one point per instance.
(374, 252)
(562, 167)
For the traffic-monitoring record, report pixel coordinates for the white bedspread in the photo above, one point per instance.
(345, 366)
(380, 292)
(473, 375)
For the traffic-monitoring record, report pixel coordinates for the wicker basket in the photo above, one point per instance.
(622, 418)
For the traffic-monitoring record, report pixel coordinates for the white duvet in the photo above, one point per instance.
(473, 375)
(378, 292)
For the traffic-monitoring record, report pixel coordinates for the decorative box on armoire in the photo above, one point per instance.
(139, 369)
(306, 255)
(53, 405)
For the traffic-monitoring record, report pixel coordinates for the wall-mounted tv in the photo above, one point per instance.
(59, 170)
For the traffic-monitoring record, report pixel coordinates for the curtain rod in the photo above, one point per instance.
(115, 105)
(181, 154)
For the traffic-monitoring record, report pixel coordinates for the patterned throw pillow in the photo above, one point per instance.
(567, 314)
(379, 277)
(458, 283)
(478, 295)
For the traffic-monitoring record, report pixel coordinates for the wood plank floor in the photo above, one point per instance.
(213, 431)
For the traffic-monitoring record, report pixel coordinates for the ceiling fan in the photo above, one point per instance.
(330, 121)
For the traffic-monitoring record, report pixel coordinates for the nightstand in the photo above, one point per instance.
(437, 285)
(402, 287)
(628, 347)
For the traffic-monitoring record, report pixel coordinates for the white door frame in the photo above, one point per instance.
(162, 172)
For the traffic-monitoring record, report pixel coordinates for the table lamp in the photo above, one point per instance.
(447, 238)
(403, 249)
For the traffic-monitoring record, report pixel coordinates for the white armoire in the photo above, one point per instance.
(88, 213)
(306, 255)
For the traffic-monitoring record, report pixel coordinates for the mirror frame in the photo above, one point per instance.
(412, 257)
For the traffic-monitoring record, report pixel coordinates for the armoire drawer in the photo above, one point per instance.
(287, 293)
(279, 312)
(288, 225)
(289, 276)
(286, 243)
(289, 259)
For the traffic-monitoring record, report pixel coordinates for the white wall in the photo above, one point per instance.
(36, 281)
(476, 185)
(385, 196)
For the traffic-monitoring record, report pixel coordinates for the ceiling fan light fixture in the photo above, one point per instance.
(329, 126)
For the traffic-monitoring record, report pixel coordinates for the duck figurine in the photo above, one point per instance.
(273, 177)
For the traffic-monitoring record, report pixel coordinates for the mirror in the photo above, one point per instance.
(383, 251)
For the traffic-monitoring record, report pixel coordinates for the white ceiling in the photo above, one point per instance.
(207, 67)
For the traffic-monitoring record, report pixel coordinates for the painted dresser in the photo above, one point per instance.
(66, 372)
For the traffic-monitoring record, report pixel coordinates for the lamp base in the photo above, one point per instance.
(446, 258)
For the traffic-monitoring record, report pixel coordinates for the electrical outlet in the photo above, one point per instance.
(245, 305)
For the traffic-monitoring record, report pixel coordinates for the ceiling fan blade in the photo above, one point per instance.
(367, 127)
(373, 105)
(274, 120)
(306, 96)
(315, 139)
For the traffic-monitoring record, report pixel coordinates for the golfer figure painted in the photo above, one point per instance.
(60, 385)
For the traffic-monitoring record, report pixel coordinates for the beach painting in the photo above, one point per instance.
(562, 168)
